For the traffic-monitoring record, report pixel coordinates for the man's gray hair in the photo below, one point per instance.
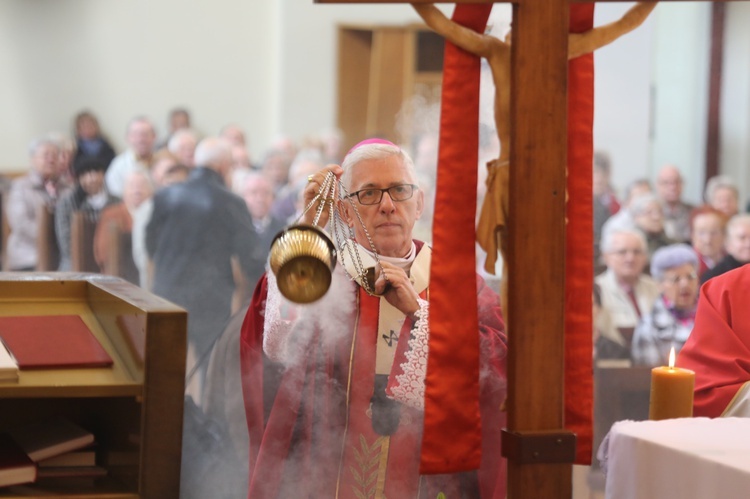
(64, 141)
(642, 202)
(608, 240)
(630, 187)
(669, 257)
(38, 142)
(716, 183)
(138, 119)
(213, 151)
(304, 156)
(176, 137)
(374, 151)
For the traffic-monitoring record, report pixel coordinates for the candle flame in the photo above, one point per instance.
(671, 358)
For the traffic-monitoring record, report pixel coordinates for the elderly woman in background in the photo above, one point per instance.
(648, 217)
(675, 268)
(722, 194)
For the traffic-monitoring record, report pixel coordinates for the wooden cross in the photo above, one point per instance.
(536, 234)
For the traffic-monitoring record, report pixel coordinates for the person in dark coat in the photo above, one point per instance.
(90, 143)
(196, 229)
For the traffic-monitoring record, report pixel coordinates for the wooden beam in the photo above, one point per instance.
(537, 238)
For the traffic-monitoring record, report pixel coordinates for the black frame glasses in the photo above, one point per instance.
(373, 195)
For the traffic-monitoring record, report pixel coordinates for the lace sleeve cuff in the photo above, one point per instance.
(408, 385)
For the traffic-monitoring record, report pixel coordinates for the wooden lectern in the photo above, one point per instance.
(134, 408)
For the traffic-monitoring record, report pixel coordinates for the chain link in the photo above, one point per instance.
(331, 190)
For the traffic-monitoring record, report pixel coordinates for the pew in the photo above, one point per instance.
(82, 229)
(118, 260)
(48, 251)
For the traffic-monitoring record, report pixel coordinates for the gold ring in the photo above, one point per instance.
(309, 178)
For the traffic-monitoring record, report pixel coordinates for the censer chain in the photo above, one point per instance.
(327, 195)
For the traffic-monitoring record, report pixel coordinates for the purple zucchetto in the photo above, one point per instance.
(671, 256)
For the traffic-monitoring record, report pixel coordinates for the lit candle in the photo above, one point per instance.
(671, 391)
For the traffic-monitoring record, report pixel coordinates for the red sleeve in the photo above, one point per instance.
(718, 349)
(251, 365)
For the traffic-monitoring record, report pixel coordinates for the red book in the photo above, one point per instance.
(52, 342)
(16, 466)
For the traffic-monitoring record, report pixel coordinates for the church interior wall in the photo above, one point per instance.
(734, 148)
(271, 67)
(680, 91)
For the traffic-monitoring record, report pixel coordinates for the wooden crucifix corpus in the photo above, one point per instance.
(537, 117)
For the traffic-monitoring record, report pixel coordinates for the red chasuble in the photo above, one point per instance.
(310, 423)
(718, 349)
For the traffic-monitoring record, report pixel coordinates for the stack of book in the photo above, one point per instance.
(50, 449)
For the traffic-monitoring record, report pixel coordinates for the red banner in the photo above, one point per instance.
(452, 425)
(579, 242)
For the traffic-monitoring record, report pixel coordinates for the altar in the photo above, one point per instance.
(690, 458)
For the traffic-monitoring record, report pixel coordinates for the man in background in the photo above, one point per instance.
(28, 195)
(196, 228)
(182, 145)
(669, 185)
(140, 138)
(626, 292)
(258, 195)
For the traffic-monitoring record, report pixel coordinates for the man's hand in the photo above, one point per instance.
(397, 289)
(314, 182)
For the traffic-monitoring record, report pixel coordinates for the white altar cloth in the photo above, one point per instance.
(690, 458)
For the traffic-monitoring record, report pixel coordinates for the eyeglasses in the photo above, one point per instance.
(372, 195)
(675, 279)
(625, 251)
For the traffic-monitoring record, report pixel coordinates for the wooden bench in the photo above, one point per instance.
(119, 256)
(82, 229)
(48, 251)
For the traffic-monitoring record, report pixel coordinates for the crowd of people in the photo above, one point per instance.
(654, 250)
(200, 214)
(197, 216)
(153, 195)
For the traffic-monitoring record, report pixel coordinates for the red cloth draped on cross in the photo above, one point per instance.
(452, 425)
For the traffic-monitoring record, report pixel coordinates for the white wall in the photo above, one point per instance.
(308, 58)
(622, 96)
(734, 152)
(680, 80)
(651, 94)
(271, 66)
(127, 57)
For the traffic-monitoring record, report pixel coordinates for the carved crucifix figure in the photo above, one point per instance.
(492, 228)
